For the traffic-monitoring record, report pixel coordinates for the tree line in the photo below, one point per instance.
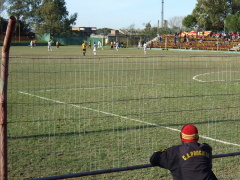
(43, 16)
(214, 15)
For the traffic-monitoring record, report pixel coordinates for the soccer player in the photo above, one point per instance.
(49, 45)
(57, 44)
(31, 43)
(111, 46)
(89, 44)
(139, 44)
(35, 42)
(117, 45)
(94, 49)
(145, 48)
(190, 160)
(84, 48)
(100, 44)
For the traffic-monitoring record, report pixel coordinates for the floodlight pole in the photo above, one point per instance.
(162, 12)
(3, 96)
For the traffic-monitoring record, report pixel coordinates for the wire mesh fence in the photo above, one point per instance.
(76, 114)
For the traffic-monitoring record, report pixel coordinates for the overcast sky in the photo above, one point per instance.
(122, 13)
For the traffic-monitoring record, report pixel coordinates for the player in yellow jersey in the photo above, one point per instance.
(84, 48)
(111, 46)
(57, 44)
(89, 45)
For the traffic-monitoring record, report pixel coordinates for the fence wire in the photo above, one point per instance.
(76, 114)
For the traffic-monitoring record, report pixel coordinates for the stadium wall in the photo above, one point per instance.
(68, 40)
(43, 37)
(75, 40)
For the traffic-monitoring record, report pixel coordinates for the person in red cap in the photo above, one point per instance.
(187, 161)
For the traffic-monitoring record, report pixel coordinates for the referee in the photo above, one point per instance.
(189, 161)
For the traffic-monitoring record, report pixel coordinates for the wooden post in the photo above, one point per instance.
(3, 104)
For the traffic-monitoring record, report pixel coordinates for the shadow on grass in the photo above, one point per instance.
(83, 133)
(116, 129)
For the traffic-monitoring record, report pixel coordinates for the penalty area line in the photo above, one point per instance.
(123, 117)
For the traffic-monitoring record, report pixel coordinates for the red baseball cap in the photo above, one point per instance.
(189, 133)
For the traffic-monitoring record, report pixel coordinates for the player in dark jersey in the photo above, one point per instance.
(188, 161)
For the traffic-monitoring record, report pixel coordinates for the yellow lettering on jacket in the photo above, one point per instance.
(184, 158)
(188, 155)
(195, 153)
(191, 154)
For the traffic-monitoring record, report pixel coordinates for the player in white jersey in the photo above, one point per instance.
(139, 44)
(117, 45)
(31, 43)
(94, 49)
(100, 44)
(145, 48)
(49, 45)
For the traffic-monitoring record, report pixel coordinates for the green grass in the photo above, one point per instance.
(68, 113)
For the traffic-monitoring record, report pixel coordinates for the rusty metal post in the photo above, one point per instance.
(3, 96)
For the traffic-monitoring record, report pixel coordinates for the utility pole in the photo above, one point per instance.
(162, 12)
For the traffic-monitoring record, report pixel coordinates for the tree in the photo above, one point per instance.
(24, 10)
(44, 15)
(233, 22)
(147, 26)
(210, 14)
(131, 28)
(52, 17)
(175, 21)
(2, 7)
(149, 30)
(189, 21)
(234, 6)
(101, 30)
(4, 24)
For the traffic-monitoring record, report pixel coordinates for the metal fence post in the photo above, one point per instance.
(3, 103)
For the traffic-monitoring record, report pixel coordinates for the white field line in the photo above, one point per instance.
(87, 88)
(205, 137)
(82, 88)
(195, 77)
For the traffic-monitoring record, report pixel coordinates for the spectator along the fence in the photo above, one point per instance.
(190, 160)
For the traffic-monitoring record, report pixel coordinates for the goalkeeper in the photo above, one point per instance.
(190, 160)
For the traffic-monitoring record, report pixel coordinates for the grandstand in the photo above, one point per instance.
(208, 43)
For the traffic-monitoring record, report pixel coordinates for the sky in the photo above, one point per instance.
(121, 14)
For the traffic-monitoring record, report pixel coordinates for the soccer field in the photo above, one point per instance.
(69, 113)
